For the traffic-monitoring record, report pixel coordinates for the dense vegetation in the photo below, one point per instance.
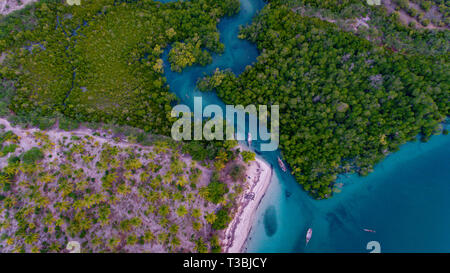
(344, 103)
(101, 61)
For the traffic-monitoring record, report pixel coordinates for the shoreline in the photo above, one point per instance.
(259, 174)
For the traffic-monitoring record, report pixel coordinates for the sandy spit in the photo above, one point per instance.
(259, 174)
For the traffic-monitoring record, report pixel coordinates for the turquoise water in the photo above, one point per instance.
(404, 200)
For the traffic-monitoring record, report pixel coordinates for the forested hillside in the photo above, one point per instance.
(345, 103)
(100, 61)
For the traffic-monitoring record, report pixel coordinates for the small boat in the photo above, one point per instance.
(308, 235)
(282, 166)
(249, 139)
(369, 230)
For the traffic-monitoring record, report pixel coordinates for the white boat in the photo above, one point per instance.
(282, 166)
(369, 230)
(308, 235)
(249, 139)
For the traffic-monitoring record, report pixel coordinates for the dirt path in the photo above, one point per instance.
(8, 6)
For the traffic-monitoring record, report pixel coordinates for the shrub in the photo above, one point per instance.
(196, 150)
(13, 159)
(8, 149)
(215, 244)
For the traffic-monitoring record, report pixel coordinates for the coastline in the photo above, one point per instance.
(259, 174)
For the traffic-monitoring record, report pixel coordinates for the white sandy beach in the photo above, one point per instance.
(259, 174)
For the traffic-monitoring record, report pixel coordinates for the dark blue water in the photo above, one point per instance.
(406, 199)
